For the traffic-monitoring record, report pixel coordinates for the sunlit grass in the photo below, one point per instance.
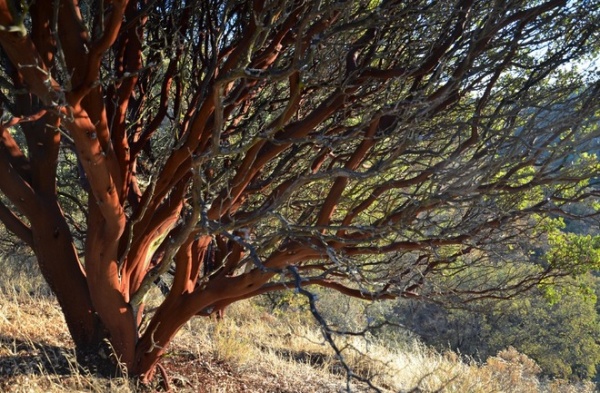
(250, 350)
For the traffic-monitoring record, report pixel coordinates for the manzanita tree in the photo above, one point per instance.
(245, 147)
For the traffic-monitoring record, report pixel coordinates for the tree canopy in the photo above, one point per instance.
(248, 147)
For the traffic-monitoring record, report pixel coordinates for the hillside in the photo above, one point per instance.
(251, 350)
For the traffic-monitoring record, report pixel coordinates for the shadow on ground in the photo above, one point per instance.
(19, 357)
(25, 357)
(306, 357)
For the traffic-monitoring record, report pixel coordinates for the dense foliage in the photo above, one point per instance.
(560, 335)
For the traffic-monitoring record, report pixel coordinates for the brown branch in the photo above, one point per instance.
(380, 190)
(15, 155)
(29, 64)
(406, 246)
(94, 58)
(531, 13)
(290, 285)
(93, 159)
(152, 225)
(169, 75)
(180, 239)
(16, 189)
(446, 40)
(262, 152)
(128, 63)
(72, 38)
(340, 183)
(15, 225)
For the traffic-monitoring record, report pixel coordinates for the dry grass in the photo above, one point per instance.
(36, 354)
(249, 351)
(250, 340)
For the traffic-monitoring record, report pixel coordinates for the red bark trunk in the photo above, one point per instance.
(109, 297)
(57, 258)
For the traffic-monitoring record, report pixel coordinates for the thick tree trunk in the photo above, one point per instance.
(57, 258)
(109, 297)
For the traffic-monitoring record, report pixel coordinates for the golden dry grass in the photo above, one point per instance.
(249, 351)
